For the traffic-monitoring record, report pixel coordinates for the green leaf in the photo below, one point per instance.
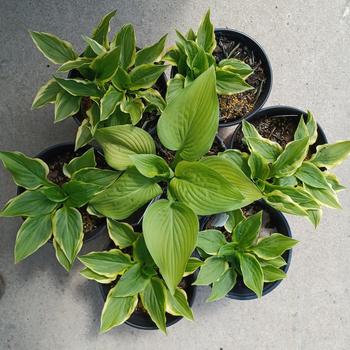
(126, 40)
(94, 45)
(288, 181)
(234, 218)
(109, 102)
(108, 263)
(86, 160)
(66, 105)
(68, 231)
(259, 166)
(116, 311)
(33, 234)
(203, 189)
(311, 127)
(27, 172)
(272, 274)
(236, 66)
(100, 177)
(134, 107)
(301, 131)
(121, 79)
(177, 304)
(327, 197)
(223, 285)
(311, 175)
(121, 141)
(314, 215)
(80, 62)
(46, 94)
(212, 269)
(145, 75)
(105, 65)
(205, 34)
(190, 121)
(53, 48)
(153, 98)
(61, 257)
(129, 193)
(121, 233)
(276, 262)
(91, 275)
(247, 231)
(252, 273)
(175, 86)
(141, 253)
(228, 83)
(178, 226)
(151, 53)
(238, 158)
(333, 181)
(153, 300)
(192, 265)
(100, 33)
(28, 203)
(54, 193)
(211, 241)
(78, 87)
(152, 166)
(273, 246)
(131, 283)
(83, 136)
(229, 250)
(291, 158)
(330, 155)
(79, 193)
(200, 62)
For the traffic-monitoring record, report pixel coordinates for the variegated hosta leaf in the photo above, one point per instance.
(83, 135)
(229, 83)
(333, 181)
(212, 269)
(192, 265)
(105, 65)
(177, 304)
(109, 102)
(78, 87)
(311, 175)
(121, 141)
(61, 257)
(177, 225)
(86, 160)
(151, 53)
(175, 86)
(205, 35)
(331, 155)
(145, 76)
(79, 62)
(121, 233)
(94, 45)
(205, 190)
(98, 177)
(46, 94)
(126, 40)
(129, 193)
(91, 275)
(190, 121)
(66, 105)
(223, 285)
(272, 274)
(236, 66)
(238, 158)
(327, 197)
(211, 241)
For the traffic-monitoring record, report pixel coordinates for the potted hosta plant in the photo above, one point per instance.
(293, 175)
(52, 199)
(130, 283)
(250, 250)
(243, 71)
(109, 83)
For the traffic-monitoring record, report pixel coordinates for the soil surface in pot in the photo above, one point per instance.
(277, 128)
(235, 107)
(57, 176)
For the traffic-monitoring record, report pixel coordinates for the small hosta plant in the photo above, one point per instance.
(239, 250)
(52, 211)
(193, 54)
(297, 179)
(134, 280)
(113, 83)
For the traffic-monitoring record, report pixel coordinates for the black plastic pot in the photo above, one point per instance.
(52, 152)
(259, 52)
(240, 291)
(142, 320)
(278, 112)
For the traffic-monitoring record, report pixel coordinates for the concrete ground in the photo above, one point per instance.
(308, 43)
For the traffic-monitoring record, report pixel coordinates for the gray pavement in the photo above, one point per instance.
(308, 43)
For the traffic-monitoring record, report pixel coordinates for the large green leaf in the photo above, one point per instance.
(330, 155)
(132, 282)
(211, 241)
(145, 75)
(252, 273)
(121, 141)
(178, 226)
(105, 65)
(108, 263)
(27, 172)
(153, 300)
(109, 102)
(174, 87)
(229, 83)
(33, 234)
(126, 41)
(129, 193)
(78, 87)
(204, 189)
(28, 203)
(53, 48)
(206, 35)
(190, 121)
(212, 269)
(46, 94)
(116, 311)
(151, 53)
(66, 105)
(86, 160)
(121, 233)
(68, 231)
(223, 285)
(273, 246)
(177, 304)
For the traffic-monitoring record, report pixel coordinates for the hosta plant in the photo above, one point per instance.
(114, 82)
(297, 179)
(51, 211)
(193, 54)
(239, 251)
(134, 280)
(192, 183)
